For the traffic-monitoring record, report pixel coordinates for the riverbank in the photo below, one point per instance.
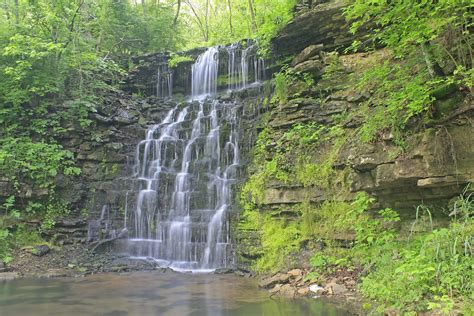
(70, 261)
(79, 262)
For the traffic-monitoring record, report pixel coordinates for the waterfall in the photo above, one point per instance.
(178, 205)
(259, 68)
(164, 81)
(233, 78)
(244, 64)
(186, 168)
(204, 73)
(239, 70)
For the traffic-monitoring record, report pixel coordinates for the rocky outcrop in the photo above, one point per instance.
(434, 168)
(297, 283)
(105, 153)
(323, 24)
(438, 165)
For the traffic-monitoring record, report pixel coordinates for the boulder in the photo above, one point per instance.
(275, 289)
(39, 250)
(224, 271)
(287, 291)
(307, 53)
(334, 288)
(271, 281)
(303, 291)
(313, 66)
(295, 273)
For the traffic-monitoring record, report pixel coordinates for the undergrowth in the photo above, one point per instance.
(431, 270)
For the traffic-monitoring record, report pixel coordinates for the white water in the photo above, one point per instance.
(164, 82)
(181, 194)
(243, 64)
(186, 166)
(204, 73)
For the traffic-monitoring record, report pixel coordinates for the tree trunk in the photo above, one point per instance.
(177, 13)
(252, 15)
(230, 17)
(17, 13)
(207, 21)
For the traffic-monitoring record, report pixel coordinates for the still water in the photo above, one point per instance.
(151, 294)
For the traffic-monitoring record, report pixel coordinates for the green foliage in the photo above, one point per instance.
(5, 250)
(176, 59)
(399, 93)
(39, 163)
(280, 240)
(288, 77)
(232, 21)
(427, 271)
(407, 26)
(55, 209)
(431, 45)
(27, 236)
(303, 134)
(57, 59)
(318, 261)
(334, 68)
(322, 173)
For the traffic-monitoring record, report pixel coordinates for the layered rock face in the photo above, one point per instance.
(320, 22)
(105, 154)
(439, 159)
(435, 167)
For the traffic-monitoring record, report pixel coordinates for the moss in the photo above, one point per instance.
(280, 239)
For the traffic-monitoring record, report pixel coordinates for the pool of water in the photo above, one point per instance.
(151, 294)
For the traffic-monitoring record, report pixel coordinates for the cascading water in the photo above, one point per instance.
(244, 64)
(204, 73)
(164, 81)
(239, 68)
(186, 167)
(233, 75)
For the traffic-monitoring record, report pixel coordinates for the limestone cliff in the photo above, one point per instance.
(434, 167)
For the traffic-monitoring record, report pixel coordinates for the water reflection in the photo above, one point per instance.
(150, 294)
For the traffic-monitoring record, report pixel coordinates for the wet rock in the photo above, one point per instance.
(314, 67)
(275, 289)
(55, 273)
(325, 23)
(120, 268)
(303, 291)
(295, 273)
(9, 276)
(335, 289)
(356, 97)
(277, 278)
(287, 291)
(3, 266)
(72, 223)
(224, 271)
(39, 251)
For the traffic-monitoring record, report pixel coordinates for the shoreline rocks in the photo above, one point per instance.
(296, 283)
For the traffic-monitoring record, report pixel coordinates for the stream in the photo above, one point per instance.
(151, 293)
